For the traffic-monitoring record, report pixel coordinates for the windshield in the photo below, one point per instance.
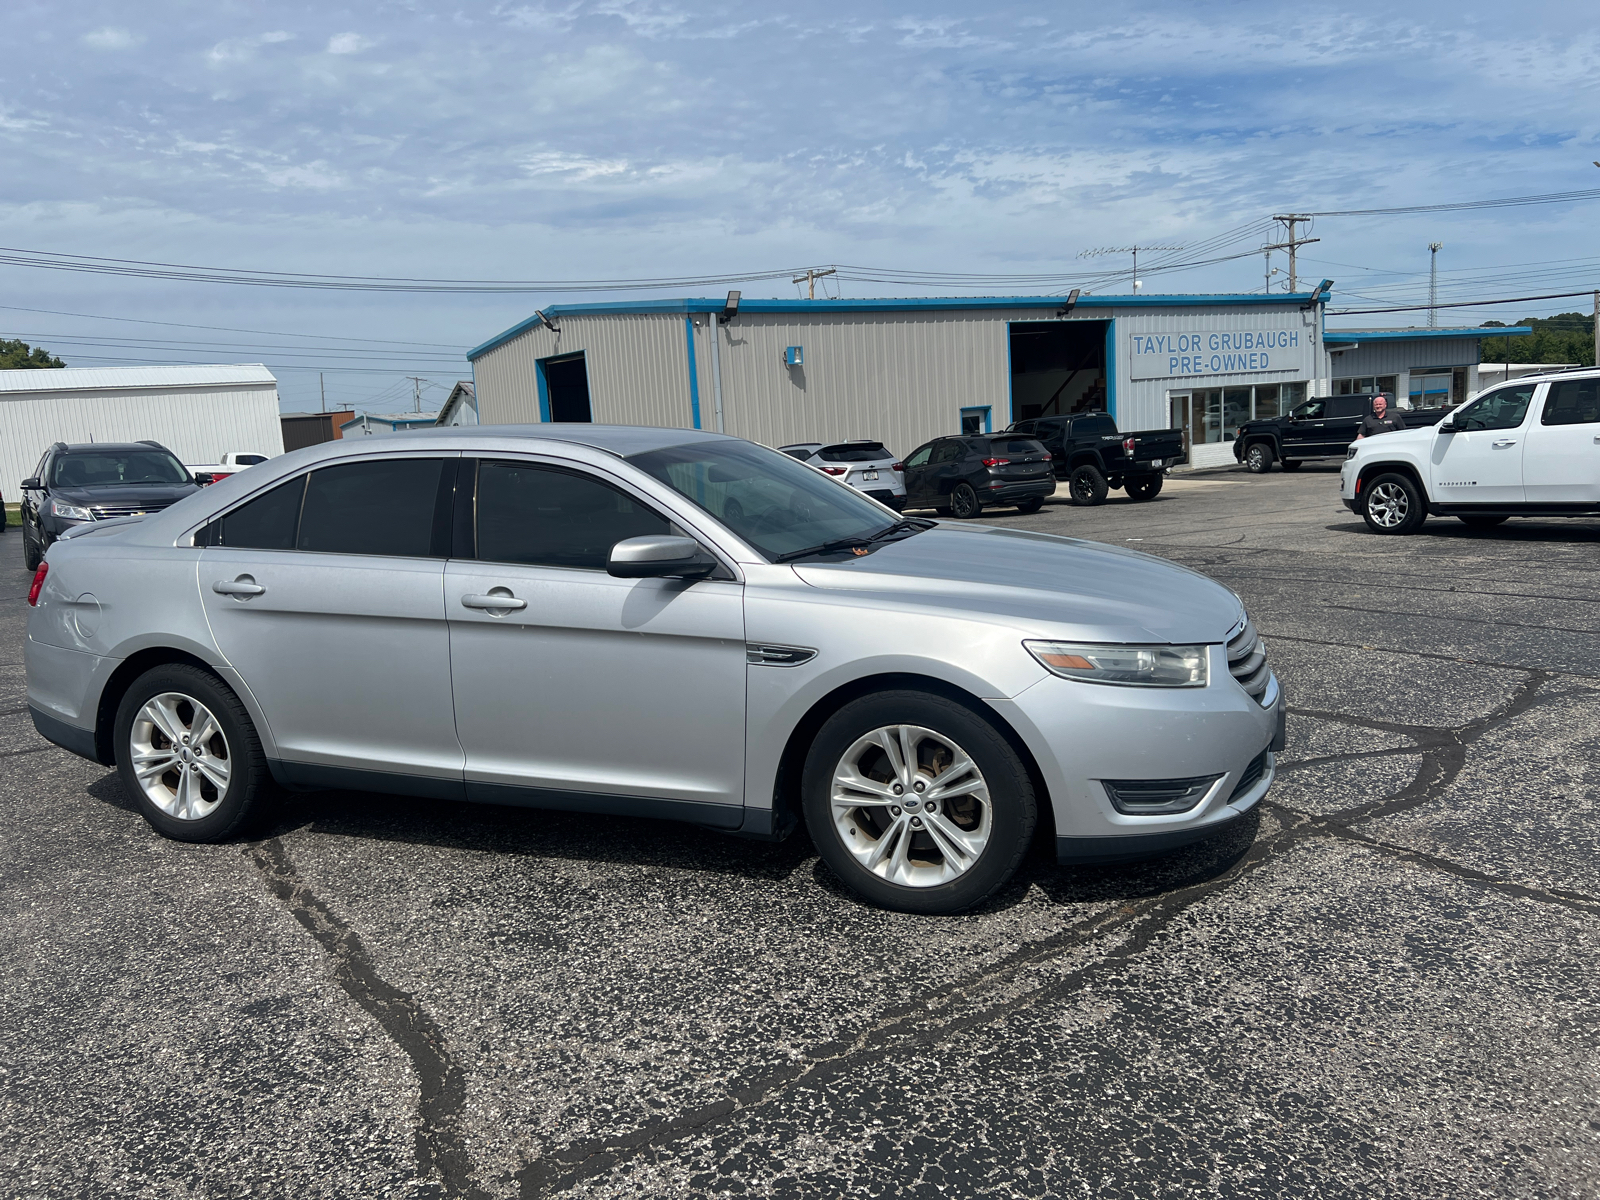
(776, 504)
(100, 468)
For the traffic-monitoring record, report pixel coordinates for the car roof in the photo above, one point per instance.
(621, 440)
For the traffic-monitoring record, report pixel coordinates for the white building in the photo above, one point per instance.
(199, 413)
(906, 371)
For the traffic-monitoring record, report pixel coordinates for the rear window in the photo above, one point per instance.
(1093, 426)
(1018, 446)
(849, 452)
(382, 507)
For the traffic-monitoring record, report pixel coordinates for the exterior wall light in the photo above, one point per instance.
(794, 356)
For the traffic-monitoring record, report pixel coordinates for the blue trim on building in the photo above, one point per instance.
(544, 390)
(1111, 367)
(694, 375)
(1340, 337)
(912, 304)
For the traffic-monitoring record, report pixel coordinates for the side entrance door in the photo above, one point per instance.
(1561, 454)
(326, 595)
(575, 689)
(1481, 462)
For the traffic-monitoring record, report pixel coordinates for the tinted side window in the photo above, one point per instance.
(1096, 426)
(381, 507)
(919, 456)
(1311, 410)
(266, 523)
(947, 452)
(1572, 402)
(548, 518)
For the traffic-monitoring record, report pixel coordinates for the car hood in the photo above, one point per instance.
(1064, 587)
(120, 494)
(1400, 437)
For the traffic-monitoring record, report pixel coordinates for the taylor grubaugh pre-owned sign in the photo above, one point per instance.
(1219, 352)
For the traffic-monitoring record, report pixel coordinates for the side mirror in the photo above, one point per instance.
(32, 481)
(1448, 427)
(204, 478)
(658, 557)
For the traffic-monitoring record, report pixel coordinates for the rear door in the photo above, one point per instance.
(326, 595)
(1561, 454)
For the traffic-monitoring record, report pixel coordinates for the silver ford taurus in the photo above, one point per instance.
(652, 622)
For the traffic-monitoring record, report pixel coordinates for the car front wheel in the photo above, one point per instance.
(917, 802)
(189, 755)
(1258, 458)
(1392, 504)
(1087, 485)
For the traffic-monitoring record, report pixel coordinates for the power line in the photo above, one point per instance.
(228, 328)
(1342, 312)
(1466, 205)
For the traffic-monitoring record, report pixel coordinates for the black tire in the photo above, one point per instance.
(1258, 458)
(32, 552)
(1391, 504)
(1481, 520)
(1144, 487)
(238, 806)
(1290, 464)
(964, 502)
(1031, 505)
(1012, 808)
(1086, 485)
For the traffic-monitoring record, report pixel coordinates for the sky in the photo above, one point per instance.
(627, 139)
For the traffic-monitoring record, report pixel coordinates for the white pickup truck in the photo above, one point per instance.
(1530, 448)
(232, 463)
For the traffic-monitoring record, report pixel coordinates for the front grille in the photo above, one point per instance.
(1252, 776)
(105, 512)
(1247, 662)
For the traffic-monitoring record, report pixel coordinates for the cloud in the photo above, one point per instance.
(111, 38)
(577, 167)
(241, 49)
(349, 43)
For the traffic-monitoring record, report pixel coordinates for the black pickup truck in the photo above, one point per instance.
(1092, 456)
(1322, 427)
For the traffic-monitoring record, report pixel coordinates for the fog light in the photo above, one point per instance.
(1157, 797)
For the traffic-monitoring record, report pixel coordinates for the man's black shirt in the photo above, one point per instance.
(1390, 422)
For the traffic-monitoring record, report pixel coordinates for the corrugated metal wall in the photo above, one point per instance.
(199, 425)
(1394, 357)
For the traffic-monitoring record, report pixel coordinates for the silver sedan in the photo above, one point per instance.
(657, 623)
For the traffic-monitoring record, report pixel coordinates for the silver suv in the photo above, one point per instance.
(651, 622)
(866, 466)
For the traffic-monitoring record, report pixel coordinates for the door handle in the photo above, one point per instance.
(242, 586)
(493, 603)
(1505, 442)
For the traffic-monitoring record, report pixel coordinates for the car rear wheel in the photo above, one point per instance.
(1258, 458)
(916, 802)
(1086, 485)
(1031, 505)
(32, 553)
(1392, 504)
(964, 502)
(1144, 487)
(189, 755)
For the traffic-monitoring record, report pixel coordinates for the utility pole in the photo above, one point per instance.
(323, 388)
(811, 276)
(1433, 283)
(416, 391)
(1292, 243)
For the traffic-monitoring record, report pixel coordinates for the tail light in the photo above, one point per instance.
(1127, 446)
(1048, 456)
(837, 470)
(996, 462)
(38, 583)
(898, 467)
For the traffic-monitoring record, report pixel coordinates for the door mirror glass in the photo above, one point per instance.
(655, 557)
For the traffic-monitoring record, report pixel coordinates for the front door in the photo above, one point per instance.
(1481, 462)
(325, 594)
(1305, 432)
(582, 690)
(1561, 455)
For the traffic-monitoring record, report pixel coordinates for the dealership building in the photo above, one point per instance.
(905, 371)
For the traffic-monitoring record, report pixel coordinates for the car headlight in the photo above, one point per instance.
(70, 511)
(1351, 453)
(1124, 666)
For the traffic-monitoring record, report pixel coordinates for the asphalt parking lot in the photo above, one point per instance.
(1386, 986)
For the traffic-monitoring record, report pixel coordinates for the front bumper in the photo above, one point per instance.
(1082, 733)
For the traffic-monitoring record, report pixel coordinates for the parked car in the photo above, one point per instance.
(1093, 457)
(1322, 427)
(232, 463)
(1528, 449)
(98, 481)
(961, 476)
(652, 622)
(865, 465)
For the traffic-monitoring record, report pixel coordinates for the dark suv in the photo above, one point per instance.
(963, 475)
(97, 482)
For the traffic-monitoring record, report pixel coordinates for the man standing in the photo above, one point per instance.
(1380, 419)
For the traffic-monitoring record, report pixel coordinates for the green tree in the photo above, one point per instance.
(1563, 338)
(18, 355)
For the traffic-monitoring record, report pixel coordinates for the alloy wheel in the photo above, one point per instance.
(180, 756)
(1389, 505)
(911, 806)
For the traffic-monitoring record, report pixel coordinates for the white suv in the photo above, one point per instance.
(1530, 448)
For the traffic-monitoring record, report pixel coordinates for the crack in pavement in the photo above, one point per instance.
(1400, 612)
(439, 1139)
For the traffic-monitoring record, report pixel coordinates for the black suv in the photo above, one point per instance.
(963, 475)
(97, 482)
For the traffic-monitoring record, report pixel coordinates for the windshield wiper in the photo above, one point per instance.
(847, 543)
